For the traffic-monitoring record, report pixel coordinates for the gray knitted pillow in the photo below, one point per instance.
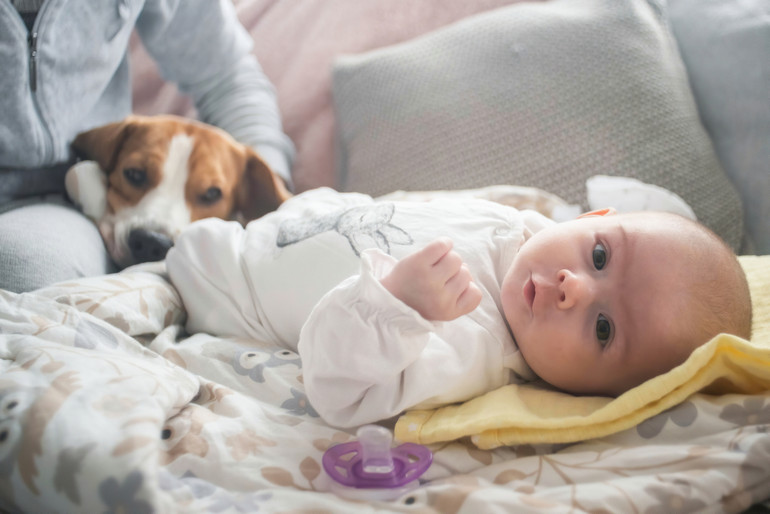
(535, 94)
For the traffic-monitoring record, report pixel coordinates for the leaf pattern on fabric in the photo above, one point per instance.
(210, 439)
(674, 502)
(509, 475)
(310, 469)
(752, 411)
(68, 468)
(52, 367)
(277, 476)
(211, 392)
(118, 321)
(121, 497)
(753, 486)
(246, 443)
(90, 335)
(130, 444)
(42, 323)
(480, 455)
(114, 406)
(299, 405)
(447, 497)
(14, 405)
(41, 412)
(324, 444)
(135, 303)
(682, 415)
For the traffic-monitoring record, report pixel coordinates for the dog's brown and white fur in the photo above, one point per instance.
(145, 178)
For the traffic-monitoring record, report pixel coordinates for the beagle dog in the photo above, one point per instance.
(145, 178)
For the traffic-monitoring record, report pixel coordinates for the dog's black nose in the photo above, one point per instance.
(148, 246)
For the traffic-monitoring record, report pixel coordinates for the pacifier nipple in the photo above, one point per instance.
(375, 449)
(370, 469)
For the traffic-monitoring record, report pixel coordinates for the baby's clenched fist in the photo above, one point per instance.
(435, 282)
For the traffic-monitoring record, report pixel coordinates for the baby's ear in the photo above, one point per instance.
(607, 211)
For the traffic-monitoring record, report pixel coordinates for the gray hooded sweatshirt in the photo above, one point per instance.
(70, 73)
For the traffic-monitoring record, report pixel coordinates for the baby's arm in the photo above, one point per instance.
(435, 282)
(367, 356)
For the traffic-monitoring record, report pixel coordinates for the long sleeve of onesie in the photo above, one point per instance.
(367, 356)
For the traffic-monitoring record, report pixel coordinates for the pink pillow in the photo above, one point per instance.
(296, 43)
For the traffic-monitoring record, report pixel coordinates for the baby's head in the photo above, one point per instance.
(600, 304)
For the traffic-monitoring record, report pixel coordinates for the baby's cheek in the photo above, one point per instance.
(557, 357)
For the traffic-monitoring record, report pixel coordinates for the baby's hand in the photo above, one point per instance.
(435, 282)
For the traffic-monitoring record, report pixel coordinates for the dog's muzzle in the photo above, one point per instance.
(148, 245)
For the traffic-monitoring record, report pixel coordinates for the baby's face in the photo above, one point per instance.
(595, 304)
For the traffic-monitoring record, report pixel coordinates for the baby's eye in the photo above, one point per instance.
(599, 256)
(603, 330)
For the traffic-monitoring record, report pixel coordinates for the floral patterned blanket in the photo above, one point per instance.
(106, 405)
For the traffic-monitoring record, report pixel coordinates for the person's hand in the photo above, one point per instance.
(435, 282)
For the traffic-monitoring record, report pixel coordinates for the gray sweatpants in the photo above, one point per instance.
(46, 240)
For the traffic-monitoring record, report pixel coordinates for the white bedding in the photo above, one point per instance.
(106, 404)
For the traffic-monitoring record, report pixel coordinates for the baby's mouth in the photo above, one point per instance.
(529, 293)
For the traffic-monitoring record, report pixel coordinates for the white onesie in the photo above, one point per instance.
(307, 277)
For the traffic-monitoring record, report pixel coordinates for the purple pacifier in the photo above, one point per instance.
(369, 469)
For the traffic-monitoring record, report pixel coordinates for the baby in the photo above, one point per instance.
(404, 305)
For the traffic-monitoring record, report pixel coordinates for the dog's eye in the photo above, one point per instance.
(212, 195)
(136, 177)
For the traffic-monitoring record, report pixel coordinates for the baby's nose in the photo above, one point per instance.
(571, 289)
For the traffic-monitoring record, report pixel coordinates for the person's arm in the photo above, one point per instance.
(367, 356)
(201, 46)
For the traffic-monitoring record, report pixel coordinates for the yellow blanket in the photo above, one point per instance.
(535, 413)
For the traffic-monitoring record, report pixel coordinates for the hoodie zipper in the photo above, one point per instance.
(32, 41)
(8, 11)
(47, 137)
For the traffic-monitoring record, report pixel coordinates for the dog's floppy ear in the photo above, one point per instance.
(260, 191)
(102, 144)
